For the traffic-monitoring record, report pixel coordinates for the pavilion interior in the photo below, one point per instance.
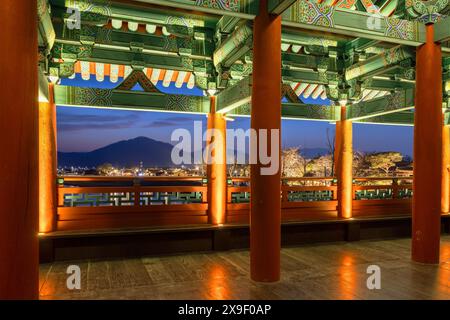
(384, 62)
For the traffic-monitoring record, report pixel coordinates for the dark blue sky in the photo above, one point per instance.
(83, 129)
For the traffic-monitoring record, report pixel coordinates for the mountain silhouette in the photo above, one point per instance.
(126, 153)
(129, 153)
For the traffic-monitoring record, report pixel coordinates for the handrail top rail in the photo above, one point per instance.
(130, 178)
(194, 178)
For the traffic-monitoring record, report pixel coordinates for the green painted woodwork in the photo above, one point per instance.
(72, 53)
(122, 40)
(121, 199)
(279, 6)
(376, 64)
(426, 11)
(305, 75)
(442, 30)
(234, 47)
(298, 111)
(245, 9)
(46, 33)
(404, 118)
(235, 96)
(386, 84)
(310, 111)
(129, 100)
(395, 102)
(345, 50)
(318, 17)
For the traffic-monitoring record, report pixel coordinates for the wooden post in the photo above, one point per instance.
(19, 264)
(345, 167)
(137, 192)
(265, 207)
(395, 189)
(47, 163)
(426, 219)
(217, 170)
(337, 145)
(445, 196)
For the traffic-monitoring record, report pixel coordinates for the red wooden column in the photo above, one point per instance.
(265, 213)
(47, 163)
(445, 192)
(19, 265)
(428, 121)
(344, 170)
(337, 145)
(217, 170)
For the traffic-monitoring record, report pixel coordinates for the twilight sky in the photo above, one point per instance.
(85, 129)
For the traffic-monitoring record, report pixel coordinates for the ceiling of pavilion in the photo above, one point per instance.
(358, 51)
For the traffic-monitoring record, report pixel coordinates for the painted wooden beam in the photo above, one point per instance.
(386, 84)
(108, 38)
(404, 118)
(236, 45)
(160, 102)
(396, 102)
(360, 44)
(305, 75)
(144, 15)
(316, 112)
(378, 63)
(46, 33)
(309, 15)
(241, 9)
(129, 100)
(297, 60)
(279, 6)
(235, 96)
(74, 52)
(43, 95)
(442, 30)
(227, 24)
(297, 111)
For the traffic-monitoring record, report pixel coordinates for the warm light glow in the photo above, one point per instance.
(54, 79)
(217, 283)
(47, 163)
(343, 102)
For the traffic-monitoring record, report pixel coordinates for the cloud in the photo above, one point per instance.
(160, 124)
(172, 121)
(78, 122)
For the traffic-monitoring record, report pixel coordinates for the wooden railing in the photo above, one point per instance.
(120, 202)
(98, 202)
(382, 188)
(315, 198)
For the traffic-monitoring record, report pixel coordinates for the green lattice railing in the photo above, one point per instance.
(92, 191)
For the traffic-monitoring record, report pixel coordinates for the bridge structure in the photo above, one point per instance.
(367, 61)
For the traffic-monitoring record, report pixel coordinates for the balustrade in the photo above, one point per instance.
(129, 201)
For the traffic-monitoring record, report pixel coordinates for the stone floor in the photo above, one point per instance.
(321, 271)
